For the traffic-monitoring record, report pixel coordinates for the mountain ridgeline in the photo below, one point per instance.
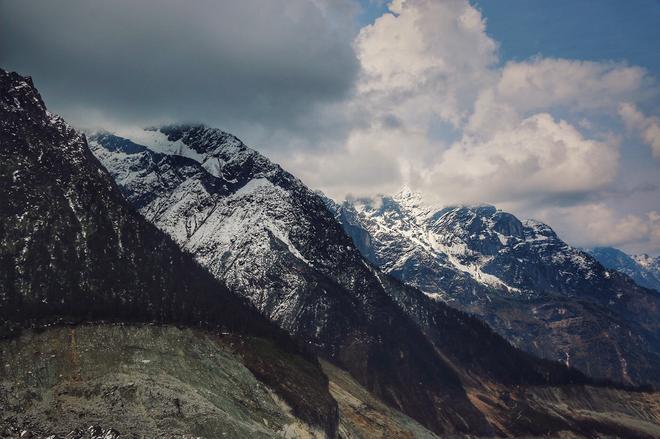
(269, 237)
(80, 244)
(544, 296)
(643, 269)
(72, 249)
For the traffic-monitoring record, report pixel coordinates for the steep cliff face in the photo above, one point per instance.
(541, 294)
(72, 249)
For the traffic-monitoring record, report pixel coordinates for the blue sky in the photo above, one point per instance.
(577, 29)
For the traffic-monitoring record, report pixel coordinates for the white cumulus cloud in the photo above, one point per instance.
(434, 100)
(537, 157)
(605, 227)
(647, 127)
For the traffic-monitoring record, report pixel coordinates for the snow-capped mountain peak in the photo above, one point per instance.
(408, 198)
(648, 262)
(488, 262)
(214, 149)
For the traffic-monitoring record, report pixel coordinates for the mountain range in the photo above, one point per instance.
(241, 215)
(542, 295)
(250, 278)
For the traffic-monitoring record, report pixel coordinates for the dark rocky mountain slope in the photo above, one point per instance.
(544, 296)
(269, 237)
(148, 381)
(72, 249)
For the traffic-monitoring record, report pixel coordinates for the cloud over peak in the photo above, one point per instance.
(420, 96)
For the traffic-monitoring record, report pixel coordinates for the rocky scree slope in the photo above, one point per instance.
(144, 381)
(262, 231)
(162, 381)
(544, 296)
(72, 249)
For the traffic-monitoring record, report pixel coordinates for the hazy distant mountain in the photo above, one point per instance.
(643, 269)
(541, 294)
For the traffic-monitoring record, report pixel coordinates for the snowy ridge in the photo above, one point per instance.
(158, 142)
(519, 276)
(405, 221)
(473, 240)
(232, 223)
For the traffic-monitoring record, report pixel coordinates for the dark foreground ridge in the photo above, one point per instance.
(72, 249)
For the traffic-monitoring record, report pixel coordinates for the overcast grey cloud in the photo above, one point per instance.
(251, 62)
